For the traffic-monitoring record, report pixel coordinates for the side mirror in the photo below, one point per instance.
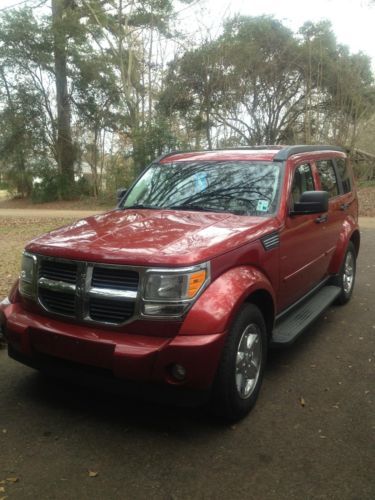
(311, 202)
(120, 193)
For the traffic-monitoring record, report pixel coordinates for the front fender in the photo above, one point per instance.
(215, 309)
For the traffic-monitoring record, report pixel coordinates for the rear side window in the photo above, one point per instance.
(344, 174)
(328, 177)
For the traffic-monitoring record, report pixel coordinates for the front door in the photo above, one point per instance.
(303, 253)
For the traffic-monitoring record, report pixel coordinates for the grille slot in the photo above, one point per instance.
(58, 302)
(115, 279)
(58, 271)
(110, 311)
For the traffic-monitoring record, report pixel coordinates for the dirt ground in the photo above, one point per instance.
(311, 435)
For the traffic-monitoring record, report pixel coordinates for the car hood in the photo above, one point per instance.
(151, 237)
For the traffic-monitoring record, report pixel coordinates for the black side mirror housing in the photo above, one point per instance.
(120, 193)
(311, 202)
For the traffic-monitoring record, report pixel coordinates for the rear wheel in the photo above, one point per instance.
(346, 278)
(241, 368)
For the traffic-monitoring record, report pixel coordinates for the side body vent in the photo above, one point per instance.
(271, 241)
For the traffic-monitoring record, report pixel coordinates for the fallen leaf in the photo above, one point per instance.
(4, 431)
(93, 473)
(302, 401)
(2, 489)
(323, 437)
(12, 479)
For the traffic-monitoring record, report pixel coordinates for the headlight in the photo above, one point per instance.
(27, 276)
(169, 292)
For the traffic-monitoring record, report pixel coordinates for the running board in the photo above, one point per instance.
(289, 328)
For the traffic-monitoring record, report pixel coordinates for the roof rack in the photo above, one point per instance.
(288, 151)
(250, 148)
(283, 152)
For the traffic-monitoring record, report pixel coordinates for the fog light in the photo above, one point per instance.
(178, 372)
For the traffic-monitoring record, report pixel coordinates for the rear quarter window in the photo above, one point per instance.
(344, 174)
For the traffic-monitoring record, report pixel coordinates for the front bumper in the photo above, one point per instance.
(34, 338)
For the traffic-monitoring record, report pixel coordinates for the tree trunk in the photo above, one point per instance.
(65, 148)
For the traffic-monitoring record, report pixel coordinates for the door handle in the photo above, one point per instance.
(344, 206)
(322, 218)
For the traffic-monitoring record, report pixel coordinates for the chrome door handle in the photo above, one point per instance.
(344, 206)
(322, 218)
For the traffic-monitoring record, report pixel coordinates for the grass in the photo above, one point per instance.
(14, 235)
(3, 194)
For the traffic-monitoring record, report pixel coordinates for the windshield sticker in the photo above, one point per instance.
(200, 181)
(262, 205)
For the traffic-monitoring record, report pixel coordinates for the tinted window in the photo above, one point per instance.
(344, 173)
(328, 177)
(242, 187)
(302, 181)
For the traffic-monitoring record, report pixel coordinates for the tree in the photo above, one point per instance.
(23, 143)
(65, 151)
(258, 83)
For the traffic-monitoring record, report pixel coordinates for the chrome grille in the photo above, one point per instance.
(86, 291)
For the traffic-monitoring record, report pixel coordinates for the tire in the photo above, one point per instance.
(240, 372)
(346, 277)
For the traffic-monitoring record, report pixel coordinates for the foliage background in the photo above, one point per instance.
(92, 90)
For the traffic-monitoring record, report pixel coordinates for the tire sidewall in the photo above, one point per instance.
(229, 404)
(344, 296)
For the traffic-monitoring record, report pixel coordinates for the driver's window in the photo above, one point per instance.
(302, 181)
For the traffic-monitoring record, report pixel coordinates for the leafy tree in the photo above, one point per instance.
(23, 143)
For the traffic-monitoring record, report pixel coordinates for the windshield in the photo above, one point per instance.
(240, 187)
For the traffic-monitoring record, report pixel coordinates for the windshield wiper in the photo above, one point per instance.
(197, 208)
(140, 205)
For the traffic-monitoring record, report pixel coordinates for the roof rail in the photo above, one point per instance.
(288, 151)
(283, 153)
(165, 155)
(250, 148)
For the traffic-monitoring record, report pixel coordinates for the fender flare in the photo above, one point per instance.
(216, 308)
(348, 232)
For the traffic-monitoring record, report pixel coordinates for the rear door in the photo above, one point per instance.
(330, 181)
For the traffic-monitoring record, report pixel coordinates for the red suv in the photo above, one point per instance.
(209, 258)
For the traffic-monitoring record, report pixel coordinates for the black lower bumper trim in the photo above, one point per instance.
(100, 378)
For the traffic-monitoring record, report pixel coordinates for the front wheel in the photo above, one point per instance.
(346, 277)
(241, 368)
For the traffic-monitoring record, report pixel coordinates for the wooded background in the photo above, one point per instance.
(108, 85)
